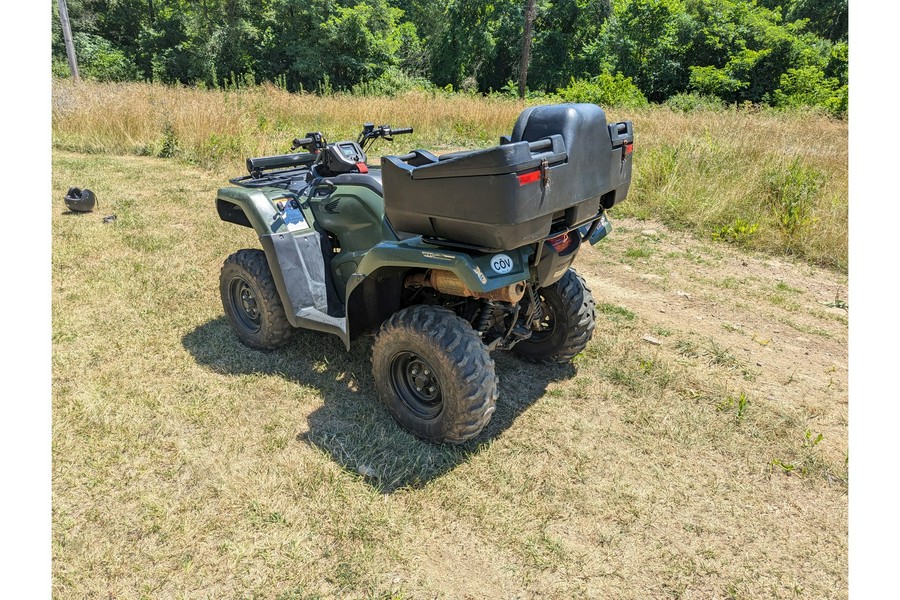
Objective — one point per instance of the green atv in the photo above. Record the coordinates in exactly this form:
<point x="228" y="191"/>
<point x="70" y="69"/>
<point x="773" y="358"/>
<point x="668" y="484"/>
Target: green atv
<point x="448" y="257"/>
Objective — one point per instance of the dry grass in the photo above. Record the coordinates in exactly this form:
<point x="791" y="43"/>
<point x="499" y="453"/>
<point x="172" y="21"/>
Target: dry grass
<point x="710" y="172"/>
<point x="209" y="126"/>
<point x="188" y="466"/>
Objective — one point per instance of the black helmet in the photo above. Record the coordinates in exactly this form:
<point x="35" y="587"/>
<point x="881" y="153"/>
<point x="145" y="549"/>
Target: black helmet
<point x="80" y="200"/>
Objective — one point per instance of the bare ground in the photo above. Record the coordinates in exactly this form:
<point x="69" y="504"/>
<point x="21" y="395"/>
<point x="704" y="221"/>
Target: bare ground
<point x="696" y="449"/>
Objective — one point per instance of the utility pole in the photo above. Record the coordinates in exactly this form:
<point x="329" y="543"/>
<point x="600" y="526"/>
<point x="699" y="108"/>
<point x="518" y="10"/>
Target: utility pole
<point x="526" y="47"/>
<point x="67" y="36"/>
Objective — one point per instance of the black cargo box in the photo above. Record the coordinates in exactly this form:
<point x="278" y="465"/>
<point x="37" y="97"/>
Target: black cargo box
<point x="561" y="165"/>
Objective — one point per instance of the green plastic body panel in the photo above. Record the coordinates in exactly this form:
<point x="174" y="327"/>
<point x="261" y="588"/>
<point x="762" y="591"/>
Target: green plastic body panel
<point x="259" y="207"/>
<point x="355" y="214"/>
<point x="474" y="269"/>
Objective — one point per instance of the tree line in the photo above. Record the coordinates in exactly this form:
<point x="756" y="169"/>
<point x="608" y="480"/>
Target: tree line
<point x="625" y="52"/>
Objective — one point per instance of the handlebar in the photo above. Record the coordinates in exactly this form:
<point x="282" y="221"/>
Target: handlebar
<point x="370" y="133"/>
<point x="313" y="143"/>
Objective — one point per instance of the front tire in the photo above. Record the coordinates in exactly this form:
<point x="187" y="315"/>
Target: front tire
<point x="251" y="301"/>
<point x="434" y="374"/>
<point x="568" y="322"/>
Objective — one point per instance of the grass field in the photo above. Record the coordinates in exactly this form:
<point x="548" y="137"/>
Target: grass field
<point x="710" y="463"/>
<point x="775" y="182"/>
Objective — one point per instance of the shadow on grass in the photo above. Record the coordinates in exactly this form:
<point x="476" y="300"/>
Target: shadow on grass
<point x="352" y="426"/>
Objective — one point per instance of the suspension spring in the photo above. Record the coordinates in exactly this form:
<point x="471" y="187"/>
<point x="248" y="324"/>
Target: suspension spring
<point x="537" y="309"/>
<point x="485" y="317"/>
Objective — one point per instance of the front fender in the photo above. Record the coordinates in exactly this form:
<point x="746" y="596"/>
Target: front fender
<point x="256" y="209"/>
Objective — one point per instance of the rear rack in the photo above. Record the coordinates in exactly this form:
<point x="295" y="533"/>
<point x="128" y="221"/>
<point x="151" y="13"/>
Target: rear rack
<point x="274" y="178"/>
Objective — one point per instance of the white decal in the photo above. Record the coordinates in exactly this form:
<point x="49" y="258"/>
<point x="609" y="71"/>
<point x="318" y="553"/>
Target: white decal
<point x="294" y="219"/>
<point x="501" y="264"/>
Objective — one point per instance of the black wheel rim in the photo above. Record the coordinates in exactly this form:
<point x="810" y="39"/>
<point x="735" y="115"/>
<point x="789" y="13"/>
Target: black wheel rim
<point x="416" y="384"/>
<point x="548" y="322"/>
<point x="245" y="305"/>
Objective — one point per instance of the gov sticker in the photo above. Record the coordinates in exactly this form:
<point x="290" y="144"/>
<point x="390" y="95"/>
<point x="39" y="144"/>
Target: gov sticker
<point x="501" y="264"/>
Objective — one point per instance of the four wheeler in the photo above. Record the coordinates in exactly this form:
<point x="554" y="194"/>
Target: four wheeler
<point x="448" y="257"/>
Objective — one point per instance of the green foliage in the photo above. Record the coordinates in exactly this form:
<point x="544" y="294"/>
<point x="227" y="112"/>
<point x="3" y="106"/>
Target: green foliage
<point x="714" y="81"/>
<point x="640" y="40"/>
<point x="810" y="440"/>
<point x="59" y="67"/>
<point x="739" y="232"/>
<point x="605" y="90"/>
<point x="392" y="82"/>
<point x="791" y="192"/>
<point x="562" y="31"/>
<point x="739" y="404"/>
<point x="359" y="42"/>
<point x="169" y="146"/>
<point x="694" y="101"/>
<point x="809" y="87"/>
<point x="838" y="62"/>
<point x="738" y="49"/>
<point x="98" y="59"/>
<point x="826" y="18"/>
<point x="478" y="48"/>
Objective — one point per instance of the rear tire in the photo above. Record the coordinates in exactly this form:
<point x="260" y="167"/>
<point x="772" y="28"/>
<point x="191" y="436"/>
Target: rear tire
<point x="251" y="301"/>
<point x="434" y="374"/>
<point x="569" y="322"/>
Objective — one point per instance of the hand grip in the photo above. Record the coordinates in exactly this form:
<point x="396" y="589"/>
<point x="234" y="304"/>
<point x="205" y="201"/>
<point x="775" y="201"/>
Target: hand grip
<point x="298" y="142"/>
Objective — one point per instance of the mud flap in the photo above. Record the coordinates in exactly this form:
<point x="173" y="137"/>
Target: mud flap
<point x="303" y="281"/>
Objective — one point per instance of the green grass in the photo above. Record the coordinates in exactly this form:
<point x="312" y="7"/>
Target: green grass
<point x="186" y="465"/>
<point x="615" y="313"/>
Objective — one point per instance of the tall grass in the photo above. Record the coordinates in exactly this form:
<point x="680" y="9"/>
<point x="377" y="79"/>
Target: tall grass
<point x="775" y="182"/>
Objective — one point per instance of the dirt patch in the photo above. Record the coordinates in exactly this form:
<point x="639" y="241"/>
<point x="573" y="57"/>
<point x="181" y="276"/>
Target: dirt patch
<point x="781" y="323"/>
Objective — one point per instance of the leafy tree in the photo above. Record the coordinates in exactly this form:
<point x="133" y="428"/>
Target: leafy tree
<point x="563" y="29"/>
<point x="640" y="40"/>
<point x="467" y="41"/>
<point x="786" y="52"/>
<point x="98" y="59"/>
<point x="827" y="18"/>
<point x="738" y="50"/>
<point x="358" y="43"/>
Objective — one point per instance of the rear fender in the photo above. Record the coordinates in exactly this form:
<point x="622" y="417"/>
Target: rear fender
<point x="480" y="272"/>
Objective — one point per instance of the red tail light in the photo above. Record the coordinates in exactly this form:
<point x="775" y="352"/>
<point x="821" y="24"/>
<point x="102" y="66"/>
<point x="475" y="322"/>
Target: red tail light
<point x="629" y="148"/>
<point x="561" y="242"/>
